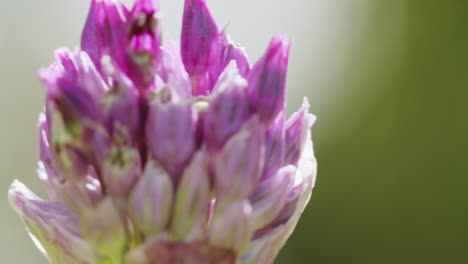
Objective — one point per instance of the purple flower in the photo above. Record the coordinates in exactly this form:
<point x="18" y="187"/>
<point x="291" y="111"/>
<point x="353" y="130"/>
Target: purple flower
<point x="157" y="154"/>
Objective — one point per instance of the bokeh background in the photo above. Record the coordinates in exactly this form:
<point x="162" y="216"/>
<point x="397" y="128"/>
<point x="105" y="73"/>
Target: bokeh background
<point x="387" y="79"/>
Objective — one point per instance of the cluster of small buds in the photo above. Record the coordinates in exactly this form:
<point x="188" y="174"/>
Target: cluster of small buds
<point x="155" y="154"/>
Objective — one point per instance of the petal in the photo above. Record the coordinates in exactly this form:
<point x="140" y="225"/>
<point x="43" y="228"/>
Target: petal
<point x="267" y="80"/>
<point x="120" y="169"/>
<point x="307" y="167"/>
<point x="297" y="127"/>
<point x="199" y="37"/>
<point x="192" y="199"/>
<point x="274" y="146"/>
<point x="227" y="52"/>
<point x="232" y="229"/>
<point x="55" y="229"/>
<point x="105" y="31"/>
<point x="171" y="134"/>
<point x="151" y="200"/>
<point x="238" y="166"/>
<point x="104" y="229"/>
<point x="271" y="196"/>
<point x="229" y="108"/>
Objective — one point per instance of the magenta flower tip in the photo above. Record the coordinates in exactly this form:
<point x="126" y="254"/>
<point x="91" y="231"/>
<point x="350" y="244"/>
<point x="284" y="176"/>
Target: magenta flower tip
<point x="199" y="37"/>
<point x="267" y="79"/>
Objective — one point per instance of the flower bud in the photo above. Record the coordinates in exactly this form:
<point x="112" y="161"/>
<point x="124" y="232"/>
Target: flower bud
<point x="199" y="37"/>
<point x="229" y="108"/>
<point x="121" y="109"/>
<point x="267" y="80"/>
<point x="290" y="204"/>
<point x="237" y="168"/>
<point x="68" y="155"/>
<point x="131" y="38"/>
<point x="233" y="228"/>
<point x="120" y="169"/>
<point x="55" y="229"/>
<point x="151" y="200"/>
<point x="271" y="196"/>
<point x="145" y="41"/>
<point x="297" y="127"/>
<point x="274" y="146"/>
<point x="104" y="229"/>
<point x="75" y="87"/>
<point x="145" y="33"/>
<point x="193" y="198"/>
<point x="170" y="131"/>
<point x="46" y="168"/>
<point x="105" y="31"/>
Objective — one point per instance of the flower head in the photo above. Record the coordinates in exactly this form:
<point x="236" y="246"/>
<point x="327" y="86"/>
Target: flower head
<point x="155" y="154"/>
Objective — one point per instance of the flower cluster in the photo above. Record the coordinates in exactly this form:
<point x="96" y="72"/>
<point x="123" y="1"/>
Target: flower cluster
<point x="153" y="153"/>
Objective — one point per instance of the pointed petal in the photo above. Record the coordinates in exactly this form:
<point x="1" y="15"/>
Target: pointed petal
<point x="74" y="85"/>
<point x="229" y="108"/>
<point x="192" y="199"/>
<point x="173" y="73"/>
<point x="307" y="168"/>
<point x="120" y="169"/>
<point x="229" y="51"/>
<point x="233" y="228"/>
<point x="171" y="134"/>
<point x="297" y="127"/>
<point x="267" y="80"/>
<point x="271" y="196"/>
<point x="151" y="200"/>
<point x="145" y="39"/>
<point x="55" y="229"/>
<point x="237" y="168"/>
<point x="104" y="229"/>
<point x="274" y="146"/>
<point x="199" y="37"/>
<point x="105" y="31"/>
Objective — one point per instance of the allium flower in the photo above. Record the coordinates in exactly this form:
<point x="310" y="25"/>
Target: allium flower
<point x="151" y="155"/>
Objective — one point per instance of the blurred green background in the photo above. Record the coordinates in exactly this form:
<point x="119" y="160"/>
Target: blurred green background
<point x="387" y="79"/>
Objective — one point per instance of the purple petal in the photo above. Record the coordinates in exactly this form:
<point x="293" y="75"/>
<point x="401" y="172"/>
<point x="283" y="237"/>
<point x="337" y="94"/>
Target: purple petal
<point x="237" y="168"/>
<point x="74" y="85"/>
<point x="274" y="146"/>
<point x="267" y="80"/>
<point x="151" y="200"/>
<point x="229" y="108"/>
<point x="171" y="134"/>
<point x="145" y="38"/>
<point x="227" y="52"/>
<point x="192" y="199"/>
<point x="173" y="74"/>
<point x="105" y="32"/>
<point x="271" y="196"/>
<point x="122" y="112"/>
<point x="297" y="127"/>
<point x="233" y="228"/>
<point x="52" y="226"/>
<point x="199" y="37"/>
<point x="121" y="169"/>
